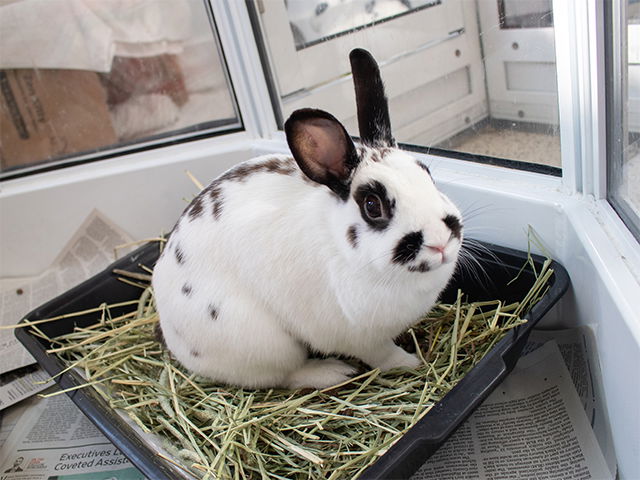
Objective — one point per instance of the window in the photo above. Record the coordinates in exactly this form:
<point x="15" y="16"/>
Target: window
<point x="526" y="14"/>
<point x="315" y="22"/>
<point x="475" y="78"/>
<point x="623" y="73"/>
<point x="81" y="79"/>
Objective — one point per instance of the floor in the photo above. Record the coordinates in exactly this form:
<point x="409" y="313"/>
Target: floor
<point x="510" y="141"/>
<point x="540" y="145"/>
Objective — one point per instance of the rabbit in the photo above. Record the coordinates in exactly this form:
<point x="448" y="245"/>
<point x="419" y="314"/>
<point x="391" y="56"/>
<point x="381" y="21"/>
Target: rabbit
<point x="336" y="249"/>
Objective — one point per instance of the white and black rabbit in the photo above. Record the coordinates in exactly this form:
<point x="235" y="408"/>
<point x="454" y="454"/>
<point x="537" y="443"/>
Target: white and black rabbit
<point x="337" y="249"/>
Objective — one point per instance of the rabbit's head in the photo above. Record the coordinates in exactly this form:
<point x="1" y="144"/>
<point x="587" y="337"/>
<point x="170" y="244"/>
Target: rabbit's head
<point x="392" y="212"/>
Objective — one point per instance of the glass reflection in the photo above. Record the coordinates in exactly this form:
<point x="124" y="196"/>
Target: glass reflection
<point x="315" y="21"/>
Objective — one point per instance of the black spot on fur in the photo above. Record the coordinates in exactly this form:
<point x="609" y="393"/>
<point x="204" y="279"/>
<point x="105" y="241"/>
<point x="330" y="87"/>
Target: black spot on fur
<point x="374" y="154"/>
<point x="408" y="248"/>
<point x="179" y="255"/>
<point x="422" y="267"/>
<point x="214" y="190"/>
<point x="215" y="193"/>
<point x="454" y="225"/>
<point x="424" y="167"/>
<point x="217" y="209"/>
<point x="281" y="166"/>
<point x="186" y="289"/>
<point x="196" y="208"/>
<point x="352" y="236"/>
<point x="383" y="152"/>
<point x="388" y="205"/>
<point x="213" y="313"/>
<point x="240" y="173"/>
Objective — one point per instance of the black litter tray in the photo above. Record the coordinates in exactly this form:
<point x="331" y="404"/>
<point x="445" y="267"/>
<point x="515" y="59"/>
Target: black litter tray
<point x="406" y="455"/>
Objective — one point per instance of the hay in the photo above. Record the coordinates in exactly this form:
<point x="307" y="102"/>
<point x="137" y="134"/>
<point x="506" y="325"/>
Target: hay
<point x="224" y="432"/>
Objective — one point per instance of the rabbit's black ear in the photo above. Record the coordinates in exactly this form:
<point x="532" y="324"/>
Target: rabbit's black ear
<point x="373" y="107"/>
<point x="323" y="148"/>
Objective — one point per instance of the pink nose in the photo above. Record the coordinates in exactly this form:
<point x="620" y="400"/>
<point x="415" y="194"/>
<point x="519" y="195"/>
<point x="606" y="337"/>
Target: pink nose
<point x="437" y="248"/>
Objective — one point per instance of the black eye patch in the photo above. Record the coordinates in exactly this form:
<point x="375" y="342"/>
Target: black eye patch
<point x="377" y="216"/>
<point x="454" y="225"/>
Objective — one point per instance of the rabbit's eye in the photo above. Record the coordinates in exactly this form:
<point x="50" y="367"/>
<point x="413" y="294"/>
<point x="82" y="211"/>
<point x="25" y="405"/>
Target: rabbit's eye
<point x="373" y="206"/>
<point x="376" y="208"/>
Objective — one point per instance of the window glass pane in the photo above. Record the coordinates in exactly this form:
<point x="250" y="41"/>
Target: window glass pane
<point x="84" y="76"/>
<point x="477" y="78"/>
<point x="526" y="14"/>
<point x="624" y="111"/>
<point x="313" y="22"/>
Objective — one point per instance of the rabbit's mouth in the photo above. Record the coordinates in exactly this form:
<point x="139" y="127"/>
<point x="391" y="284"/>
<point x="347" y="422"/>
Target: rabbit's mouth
<point x="422" y="267"/>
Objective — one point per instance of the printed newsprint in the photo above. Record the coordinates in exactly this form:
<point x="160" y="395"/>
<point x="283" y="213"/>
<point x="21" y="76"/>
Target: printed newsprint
<point x="21" y="383"/>
<point x="580" y="354"/>
<point x="53" y="440"/>
<point x="532" y="426"/>
<point x="8" y="419"/>
<point x="90" y="250"/>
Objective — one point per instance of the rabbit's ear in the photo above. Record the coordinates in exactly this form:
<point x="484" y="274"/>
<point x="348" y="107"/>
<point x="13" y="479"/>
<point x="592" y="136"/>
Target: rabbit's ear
<point x="373" y="108"/>
<point x="323" y="148"/>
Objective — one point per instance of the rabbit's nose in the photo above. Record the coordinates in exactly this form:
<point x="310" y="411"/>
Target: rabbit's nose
<point x="437" y="248"/>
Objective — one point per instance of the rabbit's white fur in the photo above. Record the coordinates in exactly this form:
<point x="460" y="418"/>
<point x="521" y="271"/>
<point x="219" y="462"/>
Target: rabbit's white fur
<point x="244" y="293"/>
<point x="338" y="250"/>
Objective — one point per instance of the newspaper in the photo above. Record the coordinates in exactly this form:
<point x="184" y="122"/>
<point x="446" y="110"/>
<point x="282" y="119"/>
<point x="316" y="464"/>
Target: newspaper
<point x="532" y="426"/>
<point x="8" y="419"/>
<point x="53" y="440"/>
<point x="89" y="251"/>
<point x="21" y="383"/>
<point x="580" y="354"/>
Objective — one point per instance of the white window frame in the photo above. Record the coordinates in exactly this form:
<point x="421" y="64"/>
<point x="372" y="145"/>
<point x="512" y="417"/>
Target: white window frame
<point x="570" y="213"/>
